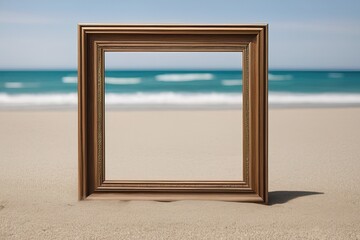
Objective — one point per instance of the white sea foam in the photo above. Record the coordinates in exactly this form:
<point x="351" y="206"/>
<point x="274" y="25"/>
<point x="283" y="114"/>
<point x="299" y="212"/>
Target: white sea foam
<point x="274" y="77"/>
<point x="335" y="75"/>
<point x="167" y="98"/>
<point x="13" y="85"/>
<point x="231" y="82"/>
<point x="184" y="77"/>
<point x="122" y="81"/>
<point x="23" y="100"/>
<point x="177" y="99"/>
<point x="69" y="79"/>
<point x="170" y="98"/>
<point x="314" y="99"/>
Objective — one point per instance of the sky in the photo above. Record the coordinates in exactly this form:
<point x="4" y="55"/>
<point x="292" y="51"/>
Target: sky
<point x="315" y="34"/>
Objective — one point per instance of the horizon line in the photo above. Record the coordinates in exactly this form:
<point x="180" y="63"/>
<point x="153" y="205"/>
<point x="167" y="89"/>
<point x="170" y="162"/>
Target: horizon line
<point x="181" y="69"/>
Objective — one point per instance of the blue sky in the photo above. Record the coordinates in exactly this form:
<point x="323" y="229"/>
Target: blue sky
<point x="313" y="34"/>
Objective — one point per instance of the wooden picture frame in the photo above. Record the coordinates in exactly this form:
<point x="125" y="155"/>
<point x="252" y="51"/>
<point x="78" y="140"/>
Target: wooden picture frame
<point x="96" y="39"/>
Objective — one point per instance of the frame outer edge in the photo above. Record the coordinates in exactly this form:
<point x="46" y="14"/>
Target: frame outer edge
<point x="262" y="68"/>
<point x="266" y="117"/>
<point x="80" y="145"/>
<point x="82" y="119"/>
<point x="263" y="115"/>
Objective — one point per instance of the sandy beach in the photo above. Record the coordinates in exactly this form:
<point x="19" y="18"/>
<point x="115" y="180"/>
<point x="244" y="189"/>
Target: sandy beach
<point x="314" y="190"/>
<point x="174" y="144"/>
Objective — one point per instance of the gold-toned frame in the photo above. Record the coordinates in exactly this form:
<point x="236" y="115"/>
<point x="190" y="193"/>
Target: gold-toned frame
<point x="96" y="39"/>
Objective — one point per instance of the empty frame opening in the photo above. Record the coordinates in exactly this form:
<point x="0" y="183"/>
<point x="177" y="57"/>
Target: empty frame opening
<point x="173" y="116"/>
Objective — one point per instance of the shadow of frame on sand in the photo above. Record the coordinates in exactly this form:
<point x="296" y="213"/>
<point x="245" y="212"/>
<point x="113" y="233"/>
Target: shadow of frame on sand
<point x="281" y="197"/>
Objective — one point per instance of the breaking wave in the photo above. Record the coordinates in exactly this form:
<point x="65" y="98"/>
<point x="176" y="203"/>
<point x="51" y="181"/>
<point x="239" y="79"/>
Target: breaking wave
<point x="185" y="77"/>
<point x="177" y="99"/>
<point x="274" y="77"/>
<point x="231" y="82"/>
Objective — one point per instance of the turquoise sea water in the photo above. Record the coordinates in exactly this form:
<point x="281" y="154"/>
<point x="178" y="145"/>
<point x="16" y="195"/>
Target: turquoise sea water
<point x="180" y="87"/>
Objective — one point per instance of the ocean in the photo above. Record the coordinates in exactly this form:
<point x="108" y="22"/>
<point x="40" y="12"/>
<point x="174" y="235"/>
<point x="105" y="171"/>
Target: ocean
<point x="186" y="88"/>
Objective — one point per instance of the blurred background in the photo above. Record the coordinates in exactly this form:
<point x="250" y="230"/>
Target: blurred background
<point x="314" y="53"/>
